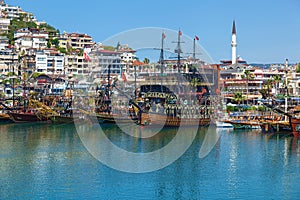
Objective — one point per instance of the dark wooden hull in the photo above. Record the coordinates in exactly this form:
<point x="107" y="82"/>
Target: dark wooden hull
<point x="4" y="118"/>
<point x="26" y="117"/>
<point x="171" y="121"/>
<point x="295" y="124"/>
<point x="61" y="119"/>
<point x="271" y="127"/>
<point x="267" y="128"/>
<point x="110" y="118"/>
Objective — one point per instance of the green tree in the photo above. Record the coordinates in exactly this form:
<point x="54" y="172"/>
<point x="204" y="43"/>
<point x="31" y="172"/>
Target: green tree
<point x="276" y="80"/>
<point x="54" y="42"/>
<point x="11" y="74"/>
<point x="11" y="79"/>
<point x="194" y="82"/>
<point x="264" y="93"/>
<point x="268" y="85"/>
<point x="146" y="60"/>
<point x="248" y="77"/>
<point x="36" y="74"/>
<point x="50" y="29"/>
<point x="298" y="68"/>
<point x="63" y="50"/>
<point x="109" y="48"/>
<point x="238" y="97"/>
<point x="80" y="53"/>
<point x="16" y="24"/>
<point x="2" y="95"/>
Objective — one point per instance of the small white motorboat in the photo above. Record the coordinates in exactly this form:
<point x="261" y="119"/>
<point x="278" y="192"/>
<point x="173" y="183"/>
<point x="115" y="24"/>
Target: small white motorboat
<point x="224" y="125"/>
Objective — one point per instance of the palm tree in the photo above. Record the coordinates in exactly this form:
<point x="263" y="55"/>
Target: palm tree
<point x="194" y="82"/>
<point x="277" y="79"/>
<point x="2" y="95"/>
<point x="298" y="68"/>
<point x="264" y="93"/>
<point x="268" y="84"/>
<point x="146" y="61"/>
<point x="248" y="77"/>
<point x="238" y="97"/>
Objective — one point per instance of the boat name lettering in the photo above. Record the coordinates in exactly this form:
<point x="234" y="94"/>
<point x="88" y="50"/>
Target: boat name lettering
<point x="157" y="94"/>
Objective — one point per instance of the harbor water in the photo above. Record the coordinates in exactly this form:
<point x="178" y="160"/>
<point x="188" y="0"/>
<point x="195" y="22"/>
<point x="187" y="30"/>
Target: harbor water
<point x="44" y="161"/>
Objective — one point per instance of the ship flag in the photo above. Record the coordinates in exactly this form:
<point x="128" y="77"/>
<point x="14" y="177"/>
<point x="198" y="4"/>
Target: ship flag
<point x="124" y="77"/>
<point x="86" y="55"/>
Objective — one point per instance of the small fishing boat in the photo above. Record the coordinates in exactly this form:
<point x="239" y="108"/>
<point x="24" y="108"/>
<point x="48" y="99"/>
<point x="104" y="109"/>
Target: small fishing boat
<point x="238" y="124"/>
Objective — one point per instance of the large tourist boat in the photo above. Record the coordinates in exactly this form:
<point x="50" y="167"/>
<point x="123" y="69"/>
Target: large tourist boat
<point x="161" y="107"/>
<point x="107" y="112"/>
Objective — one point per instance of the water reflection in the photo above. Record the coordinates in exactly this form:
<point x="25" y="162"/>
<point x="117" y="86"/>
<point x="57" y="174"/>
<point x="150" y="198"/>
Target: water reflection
<point x="47" y="161"/>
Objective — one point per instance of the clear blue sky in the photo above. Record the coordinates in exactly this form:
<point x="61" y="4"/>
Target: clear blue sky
<point x="267" y="30"/>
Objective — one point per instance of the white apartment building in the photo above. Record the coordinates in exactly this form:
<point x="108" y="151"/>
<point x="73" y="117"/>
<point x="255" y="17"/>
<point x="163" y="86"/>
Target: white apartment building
<point x="76" y="65"/>
<point x="27" y="16"/>
<point x="30" y="32"/>
<point x="293" y="80"/>
<point x="51" y="63"/>
<point x="30" y="41"/>
<point x="106" y="60"/>
<point x="127" y="58"/>
<point x="10" y="11"/>
<point x="8" y="61"/>
<point x="78" y="40"/>
<point x="21" y="32"/>
<point x="4" y="25"/>
<point x="16" y="12"/>
<point x="4" y="42"/>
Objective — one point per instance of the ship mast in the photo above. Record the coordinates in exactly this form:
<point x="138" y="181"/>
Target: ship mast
<point x="108" y="90"/>
<point x="161" y="58"/>
<point x="194" y="50"/>
<point x="178" y="51"/>
<point x="286" y="87"/>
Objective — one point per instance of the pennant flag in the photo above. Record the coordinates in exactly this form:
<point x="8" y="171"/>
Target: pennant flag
<point x="86" y="55"/>
<point x="180" y="33"/>
<point x="124" y="77"/>
<point x="163" y="35"/>
<point x="196" y="37"/>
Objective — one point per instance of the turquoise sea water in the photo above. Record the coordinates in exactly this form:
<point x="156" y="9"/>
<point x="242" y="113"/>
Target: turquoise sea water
<point x="46" y="161"/>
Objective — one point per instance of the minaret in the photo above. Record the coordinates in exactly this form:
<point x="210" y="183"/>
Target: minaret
<point x="233" y="44"/>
